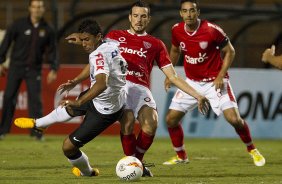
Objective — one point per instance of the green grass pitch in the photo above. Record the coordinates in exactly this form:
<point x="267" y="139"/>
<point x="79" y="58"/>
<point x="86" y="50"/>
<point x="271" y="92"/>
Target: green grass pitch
<point x="212" y="161"/>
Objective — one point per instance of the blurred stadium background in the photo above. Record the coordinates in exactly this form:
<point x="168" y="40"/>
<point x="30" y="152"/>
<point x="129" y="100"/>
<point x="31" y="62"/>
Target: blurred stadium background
<point x="252" y="25"/>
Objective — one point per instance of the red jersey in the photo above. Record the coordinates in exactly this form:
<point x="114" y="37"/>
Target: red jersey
<point x="140" y="52"/>
<point x="201" y="49"/>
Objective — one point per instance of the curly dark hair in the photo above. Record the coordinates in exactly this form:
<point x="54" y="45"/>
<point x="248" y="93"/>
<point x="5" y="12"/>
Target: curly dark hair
<point x="90" y="26"/>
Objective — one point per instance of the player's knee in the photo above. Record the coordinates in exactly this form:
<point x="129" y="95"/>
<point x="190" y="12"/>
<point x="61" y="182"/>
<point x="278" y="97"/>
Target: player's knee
<point x="68" y="148"/>
<point x="150" y="127"/>
<point x="235" y="121"/>
<point x="171" y="121"/>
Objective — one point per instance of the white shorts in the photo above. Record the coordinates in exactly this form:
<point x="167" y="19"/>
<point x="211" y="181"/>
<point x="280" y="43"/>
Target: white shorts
<point x="137" y="96"/>
<point x="219" y="101"/>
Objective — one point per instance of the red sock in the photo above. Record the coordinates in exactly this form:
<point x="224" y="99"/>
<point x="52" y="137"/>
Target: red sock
<point x="177" y="139"/>
<point x="245" y="136"/>
<point x="128" y="144"/>
<point x="144" y="141"/>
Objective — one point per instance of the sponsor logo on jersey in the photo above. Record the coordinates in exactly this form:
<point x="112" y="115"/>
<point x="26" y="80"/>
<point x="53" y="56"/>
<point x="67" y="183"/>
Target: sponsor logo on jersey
<point x="147" y="45"/>
<point x="139" y="53"/>
<point x="203" y="44"/>
<point x="99" y="62"/>
<point x="122" y="40"/>
<point x="136" y="74"/>
<point x="193" y="61"/>
<point x="182" y="46"/>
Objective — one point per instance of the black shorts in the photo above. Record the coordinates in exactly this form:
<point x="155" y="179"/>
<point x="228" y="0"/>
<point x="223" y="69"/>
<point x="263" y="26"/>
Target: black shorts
<point x="93" y="123"/>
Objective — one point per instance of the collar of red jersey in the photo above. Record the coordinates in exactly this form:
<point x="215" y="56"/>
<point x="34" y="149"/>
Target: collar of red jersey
<point x="191" y="34"/>
<point x="144" y="34"/>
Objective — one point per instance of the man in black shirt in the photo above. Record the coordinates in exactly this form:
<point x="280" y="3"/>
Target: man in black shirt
<point x="31" y="37"/>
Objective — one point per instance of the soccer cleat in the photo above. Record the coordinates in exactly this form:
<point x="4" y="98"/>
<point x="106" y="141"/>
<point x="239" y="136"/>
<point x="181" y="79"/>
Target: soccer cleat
<point x="77" y="172"/>
<point x="25" y="122"/>
<point x="176" y="160"/>
<point x="146" y="170"/>
<point x="259" y="160"/>
<point x="28" y="123"/>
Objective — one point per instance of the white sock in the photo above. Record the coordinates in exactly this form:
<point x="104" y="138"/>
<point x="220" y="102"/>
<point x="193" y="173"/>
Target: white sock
<point x="82" y="163"/>
<point x="57" y="115"/>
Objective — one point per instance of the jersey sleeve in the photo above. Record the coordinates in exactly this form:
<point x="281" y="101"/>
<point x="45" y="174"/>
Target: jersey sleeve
<point x="100" y="63"/>
<point x="218" y="34"/>
<point x="162" y="58"/>
<point x="111" y="35"/>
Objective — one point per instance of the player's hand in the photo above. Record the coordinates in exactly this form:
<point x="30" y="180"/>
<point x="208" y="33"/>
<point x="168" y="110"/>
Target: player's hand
<point x="69" y="85"/>
<point x="3" y="71"/>
<point x="74" y="39"/>
<point x="67" y="103"/>
<point x="268" y="53"/>
<point x="167" y="84"/>
<point x="51" y="77"/>
<point x="203" y="105"/>
<point x="218" y="83"/>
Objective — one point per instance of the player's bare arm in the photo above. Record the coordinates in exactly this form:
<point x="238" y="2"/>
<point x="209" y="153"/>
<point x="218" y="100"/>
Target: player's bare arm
<point x="70" y="84"/>
<point x="74" y="39"/>
<point x="203" y="104"/>
<point x="268" y="56"/>
<point x="174" y="56"/>
<point x="229" y="54"/>
<point x="99" y="86"/>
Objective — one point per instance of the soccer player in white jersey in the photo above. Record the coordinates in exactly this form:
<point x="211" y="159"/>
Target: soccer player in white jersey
<point x="141" y="50"/>
<point x="102" y="104"/>
<point x="201" y="43"/>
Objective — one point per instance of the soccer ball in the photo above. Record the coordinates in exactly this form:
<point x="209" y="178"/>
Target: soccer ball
<point x="129" y="168"/>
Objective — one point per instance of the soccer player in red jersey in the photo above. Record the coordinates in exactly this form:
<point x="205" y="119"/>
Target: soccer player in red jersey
<point x="141" y="50"/>
<point x="202" y="43"/>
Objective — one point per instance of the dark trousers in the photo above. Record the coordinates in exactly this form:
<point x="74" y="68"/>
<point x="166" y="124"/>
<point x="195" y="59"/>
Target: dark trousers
<point x="15" y="77"/>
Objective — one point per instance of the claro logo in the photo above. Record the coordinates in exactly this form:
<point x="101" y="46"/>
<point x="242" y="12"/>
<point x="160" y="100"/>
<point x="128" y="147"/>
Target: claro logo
<point x="193" y="61"/>
<point x="140" y="52"/>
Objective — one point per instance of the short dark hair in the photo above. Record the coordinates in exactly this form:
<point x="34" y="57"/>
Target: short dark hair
<point x="30" y="1"/>
<point x="142" y="4"/>
<point x="90" y="26"/>
<point x="191" y="1"/>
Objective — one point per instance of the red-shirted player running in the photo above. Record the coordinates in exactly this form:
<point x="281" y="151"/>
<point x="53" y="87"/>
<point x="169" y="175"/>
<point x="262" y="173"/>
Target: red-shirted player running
<point x="201" y="42"/>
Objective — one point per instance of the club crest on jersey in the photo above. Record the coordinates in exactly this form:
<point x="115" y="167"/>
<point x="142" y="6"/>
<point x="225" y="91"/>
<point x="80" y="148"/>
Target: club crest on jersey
<point x="147" y="45"/>
<point x="203" y="44"/>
